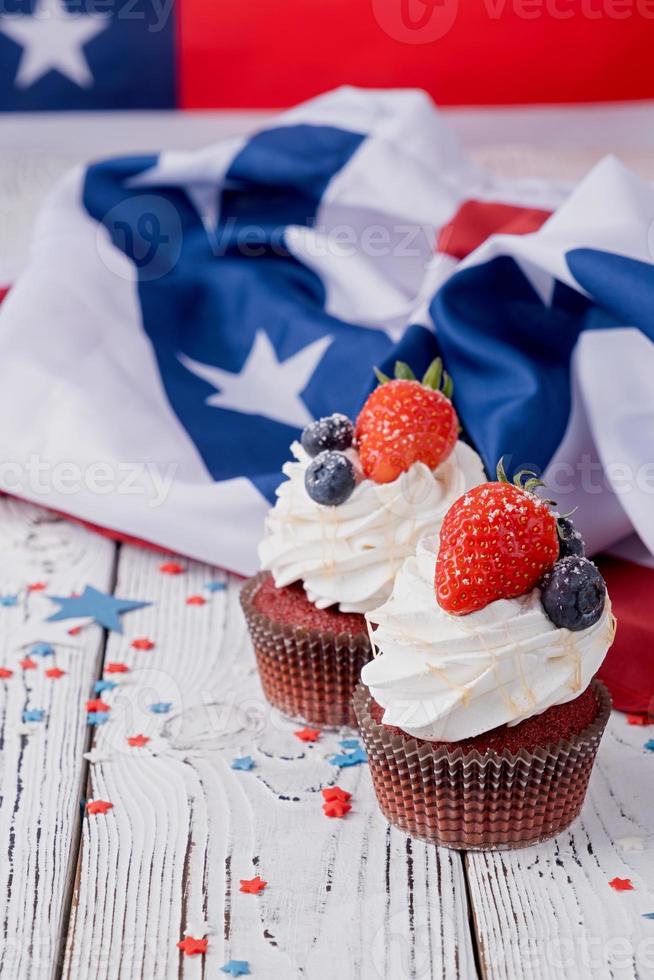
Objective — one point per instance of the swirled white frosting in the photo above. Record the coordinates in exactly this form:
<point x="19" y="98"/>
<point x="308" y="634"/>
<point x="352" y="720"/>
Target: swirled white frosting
<point x="445" y="678"/>
<point x="350" y="554"/>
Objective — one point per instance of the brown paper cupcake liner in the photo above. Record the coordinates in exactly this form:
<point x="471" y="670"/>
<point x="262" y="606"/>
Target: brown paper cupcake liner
<point x="308" y="674"/>
<point x="470" y="801"/>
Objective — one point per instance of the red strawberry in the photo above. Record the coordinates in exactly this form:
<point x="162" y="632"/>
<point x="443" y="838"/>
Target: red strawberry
<point x="405" y="421"/>
<point x="495" y="543"/>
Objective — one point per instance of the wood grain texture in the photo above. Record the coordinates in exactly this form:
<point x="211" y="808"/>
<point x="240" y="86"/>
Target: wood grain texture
<point x="548" y="912"/>
<point x="348" y="898"/>
<point x="41" y="763"/>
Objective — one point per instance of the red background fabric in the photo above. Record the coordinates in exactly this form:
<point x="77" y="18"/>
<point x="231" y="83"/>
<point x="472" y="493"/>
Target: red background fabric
<point x="463" y="52"/>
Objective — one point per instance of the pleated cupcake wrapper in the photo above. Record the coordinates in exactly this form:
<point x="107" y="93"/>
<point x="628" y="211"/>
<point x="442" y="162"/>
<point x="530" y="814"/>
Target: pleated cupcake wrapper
<point x="470" y="801"/>
<point x="308" y="674"/>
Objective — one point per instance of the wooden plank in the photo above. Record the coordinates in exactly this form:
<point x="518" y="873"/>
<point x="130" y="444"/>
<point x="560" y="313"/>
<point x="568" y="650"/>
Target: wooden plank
<point x="345" y="898"/>
<point x="42" y="765"/>
<point x="548" y="911"/>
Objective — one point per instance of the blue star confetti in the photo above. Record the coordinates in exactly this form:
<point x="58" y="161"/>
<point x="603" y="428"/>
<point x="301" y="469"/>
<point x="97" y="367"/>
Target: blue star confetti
<point x="216" y="587"/>
<point x="649" y="745"/>
<point x="100" y="686"/>
<point x="648" y="915"/>
<point x="236" y="968"/>
<point x="97" y="717"/>
<point x="244" y="763"/>
<point x="42" y="650"/>
<point x="8" y="600"/>
<point x="349" y="758"/>
<point x="350" y="743"/>
<point x="33" y="714"/>
<point x="161" y="707"/>
<point x="103" y="609"/>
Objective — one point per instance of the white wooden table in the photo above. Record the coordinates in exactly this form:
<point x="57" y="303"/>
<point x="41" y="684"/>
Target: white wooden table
<point x="110" y="895"/>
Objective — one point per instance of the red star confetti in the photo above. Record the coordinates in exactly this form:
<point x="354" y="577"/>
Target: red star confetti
<point x="142" y="643"/>
<point x="75" y="631"/>
<point x="37" y="586"/>
<point x="638" y="720"/>
<point x="54" y="673"/>
<point x="4" y="673"/>
<point x="116" y="668"/>
<point x="191" y="947"/>
<point x="195" y="600"/>
<point x="621" y="884"/>
<point x="171" y="568"/>
<point x="332" y="793"/>
<point x="98" y="806"/>
<point x="97" y="704"/>
<point x="253" y="886"/>
<point x="138" y="741"/>
<point x="308" y="734"/>
<point x="28" y="664"/>
<point x="336" y="808"/>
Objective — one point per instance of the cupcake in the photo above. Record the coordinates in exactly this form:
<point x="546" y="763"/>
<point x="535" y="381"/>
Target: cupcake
<point x="356" y="500"/>
<point x="480" y="711"/>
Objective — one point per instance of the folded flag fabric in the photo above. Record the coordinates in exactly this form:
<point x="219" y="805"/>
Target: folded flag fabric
<point x="184" y="315"/>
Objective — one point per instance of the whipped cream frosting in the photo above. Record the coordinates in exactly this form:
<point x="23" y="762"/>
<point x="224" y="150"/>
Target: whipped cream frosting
<point x="350" y="554"/>
<point x="441" y="677"/>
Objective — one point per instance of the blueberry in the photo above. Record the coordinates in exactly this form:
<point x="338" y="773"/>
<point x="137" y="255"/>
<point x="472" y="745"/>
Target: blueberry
<point x="573" y="593"/>
<point x="333" y="432"/>
<point x="570" y="539"/>
<point x="330" y="479"/>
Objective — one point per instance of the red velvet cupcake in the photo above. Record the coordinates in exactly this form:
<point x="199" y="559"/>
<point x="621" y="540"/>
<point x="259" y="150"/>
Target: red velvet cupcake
<point x="352" y="509"/>
<point x="480" y="713"/>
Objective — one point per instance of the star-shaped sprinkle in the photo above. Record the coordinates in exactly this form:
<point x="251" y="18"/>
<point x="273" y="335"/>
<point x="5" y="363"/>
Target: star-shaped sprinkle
<point x="648" y="915"/>
<point x="245" y="762"/>
<point x="253" y="886"/>
<point x="331" y="793"/>
<point x="27" y="663"/>
<point x="5" y="673"/>
<point x="161" y="707"/>
<point x="336" y="808"/>
<point x="349" y="758"/>
<point x="631" y="843"/>
<point x="215" y="586"/>
<point x="142" y="643"/>
<point x="649" y="745"/>
<point x="75" y="631"/>
<point x="97" y="717"/>
<point x="195" y="927"/>
<point x="308" y="734"/>
<point x="96" y="704"/>
<point x="638" y="720"/>
<point x="37" y="586"/>
<point x="171" y="568"/>
<point x="102" y="608"/>
<point x="236" y="968"/>
<point x="115" y="667"/>
<point x="191" y="946"/>
<point x="8" y="600"/>
<point x="54" y="673"/>
<point x="621" y="884"/>
<point x="33" y="714"/>
<point x="196" y="600"/>
<point x="42" y="650"/>
<point x="138" y="741"/>
<point x="98" y="806"/>
<point x="350" y="743"/>
<point x="100" y="686"/>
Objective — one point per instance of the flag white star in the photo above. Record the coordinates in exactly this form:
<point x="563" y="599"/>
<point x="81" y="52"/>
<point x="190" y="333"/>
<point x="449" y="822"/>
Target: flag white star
<point x="52" y="39"/>
<point x="265" y="386"/>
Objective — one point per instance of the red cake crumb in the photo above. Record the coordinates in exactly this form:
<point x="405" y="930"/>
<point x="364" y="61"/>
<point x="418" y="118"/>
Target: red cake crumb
<point x="290" y="605"/>
<point x="559" y="722"/>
